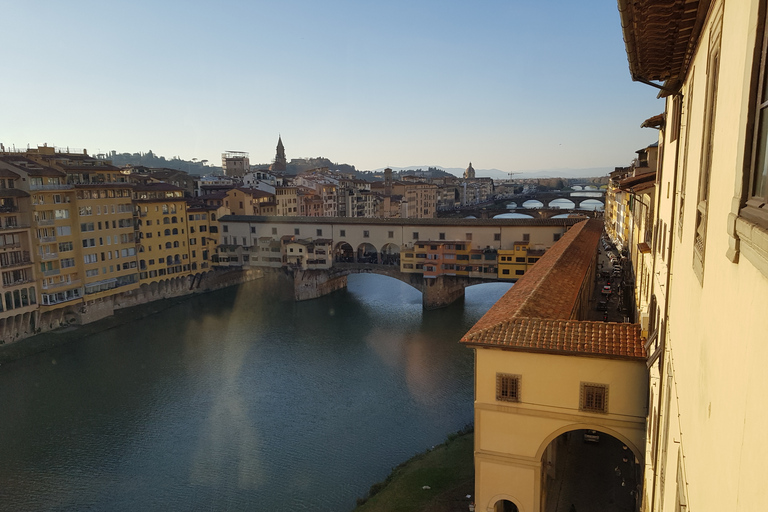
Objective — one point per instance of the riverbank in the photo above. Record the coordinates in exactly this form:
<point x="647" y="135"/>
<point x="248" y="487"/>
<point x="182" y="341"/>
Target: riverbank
<point x="438" y="480"/>
<point x="141" y="309"/>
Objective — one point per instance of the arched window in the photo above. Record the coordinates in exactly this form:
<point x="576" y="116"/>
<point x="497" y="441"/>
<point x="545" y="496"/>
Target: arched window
<point x="166" y="220"/>
<point x="176" y="243"/>
<point x="174" y="220"/>
<point x="32" y="298"/>
<point x="167" y="232"/>
<point x="175" y="231"/>
<point x="165" y="208"/>
<point x="168" y="245"/>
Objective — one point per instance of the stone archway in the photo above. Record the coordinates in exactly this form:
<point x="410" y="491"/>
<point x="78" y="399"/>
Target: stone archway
<point x="343" y="253"/>
<point x="390" y="254"/>
<point x="585" y="469"/>
<point x="367" y="253"/>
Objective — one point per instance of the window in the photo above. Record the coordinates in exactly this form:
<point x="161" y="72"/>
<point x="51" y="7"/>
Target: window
<point x="507" y="387"/>
<point x="319" y="232"/>
<point x="366" y="234"/>
<point x="468" y="236"/>
<point x="342" y="232"/>
<point x="497" y="236"/>
<point x="63" y="231"/>
<point x="415" y="235"/>
<point x="390" y="234"/>
<point x="442" y="236"/>
<point x="519" y="272"/>
<point x="594" y="397"/>
<point x="556" y="237"/>
<point x="274" y="231"/>
<point x="756" y="182"/>
<point x="295" y="231"/>
<point x="702" y="203"/>
<point x="526" y="237"/>
<point x="505" y="271"/>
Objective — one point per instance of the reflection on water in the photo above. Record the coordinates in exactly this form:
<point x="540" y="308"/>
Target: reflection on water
<point x="241" y="399"/>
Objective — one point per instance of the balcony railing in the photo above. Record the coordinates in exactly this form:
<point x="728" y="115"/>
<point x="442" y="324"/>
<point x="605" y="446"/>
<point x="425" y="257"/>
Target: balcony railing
<point x="24" y="261"/>
<point x="47" y="239"/>
<point x="58" y="186"/>
<point x="49" y="256"/>
<point x="18" y="282"/>
<point x="45" y="222"/>
<point x="8" y="208"/>
<point x="46" y="286"/>
<point x="52" y="272"/>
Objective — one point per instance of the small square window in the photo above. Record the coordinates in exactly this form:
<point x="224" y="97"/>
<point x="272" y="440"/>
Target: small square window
<point x="594" y="397"/>
<point x="253" y="229"/>
<point x="274" y="231"/>
<point x="442" y="236"/>
<point x="366" y="234"/>
<point x="391" y="234"/>
<point x="497" y="236"/>
<point x="342" y="232"/>
<point x="319" y="232"/>
<point x="225" y="228"/>
<point x="507" y="387"/>
<point x="526" y="237"/>
<point x="415" y="235"/>
<point x="556" y="237"/>
<point x="469" y="236"/>
<point x="295" y="231"/>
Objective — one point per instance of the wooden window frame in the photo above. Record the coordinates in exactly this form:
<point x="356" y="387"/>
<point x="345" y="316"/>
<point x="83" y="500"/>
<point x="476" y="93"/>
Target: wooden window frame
<point x="508" y="387"/>
<point x="593" y="397"/>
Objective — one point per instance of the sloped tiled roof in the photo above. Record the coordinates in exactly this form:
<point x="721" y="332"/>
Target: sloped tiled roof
<point x="564" y="336"/>
<point x="540" y="311"/>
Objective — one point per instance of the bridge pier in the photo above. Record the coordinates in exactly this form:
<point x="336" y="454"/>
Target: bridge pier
<point x="312" y="284"/>
<point x="441" y="291"/>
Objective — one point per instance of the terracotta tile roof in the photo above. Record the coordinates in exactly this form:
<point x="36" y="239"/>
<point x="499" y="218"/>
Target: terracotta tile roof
<point x="539" y="313"/>
<point x="660" y="37"/>
<point x="564" y="337"/>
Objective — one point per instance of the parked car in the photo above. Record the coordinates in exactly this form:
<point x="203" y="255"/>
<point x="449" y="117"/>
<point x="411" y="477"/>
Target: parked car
<point x="606" y="290"/>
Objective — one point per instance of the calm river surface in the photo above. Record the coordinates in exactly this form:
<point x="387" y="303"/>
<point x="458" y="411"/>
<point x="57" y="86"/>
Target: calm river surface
<point x="239" y="400"/>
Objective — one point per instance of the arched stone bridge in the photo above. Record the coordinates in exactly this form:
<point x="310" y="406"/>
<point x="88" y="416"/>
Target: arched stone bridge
<point x="436" y="292"/>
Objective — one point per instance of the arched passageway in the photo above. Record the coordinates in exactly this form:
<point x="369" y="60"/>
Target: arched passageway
<point x="343" y="253"/>
<point x="589" y="470"/>
<point x="505" y="506"/>
<point x="366" y="253"/>
<point x="390" y="255"/>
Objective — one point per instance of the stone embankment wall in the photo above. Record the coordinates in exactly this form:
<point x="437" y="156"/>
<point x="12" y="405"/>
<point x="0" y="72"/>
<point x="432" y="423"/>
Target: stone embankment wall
<point x="81" y="313"/>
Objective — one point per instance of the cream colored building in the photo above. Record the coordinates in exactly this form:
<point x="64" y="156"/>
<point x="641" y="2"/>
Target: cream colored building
<point x="544" y="371"/>
<point x="705" y="443"/>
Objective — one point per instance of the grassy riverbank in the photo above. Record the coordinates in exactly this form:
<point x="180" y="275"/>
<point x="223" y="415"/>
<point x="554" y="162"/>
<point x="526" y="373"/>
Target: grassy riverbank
<point x="447" y="470"/>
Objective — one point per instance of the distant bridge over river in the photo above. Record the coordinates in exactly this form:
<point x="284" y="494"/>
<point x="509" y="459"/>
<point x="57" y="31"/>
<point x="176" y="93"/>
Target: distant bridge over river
<point x="320" y="252"/>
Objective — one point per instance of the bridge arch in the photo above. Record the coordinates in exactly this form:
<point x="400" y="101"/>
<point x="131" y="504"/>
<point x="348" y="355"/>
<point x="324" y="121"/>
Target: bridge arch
<point x="367" y="253"/>
<point x="390" y="254"/>
<point x="563" y="203"/>
<point x="588" y="426"/>
<point x="343" y="253"/>
<point x="504" y="503"/>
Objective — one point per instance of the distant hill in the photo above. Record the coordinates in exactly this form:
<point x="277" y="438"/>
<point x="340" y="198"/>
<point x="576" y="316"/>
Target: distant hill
<point x="149" y="159"/>
<point x="502" y="175"/>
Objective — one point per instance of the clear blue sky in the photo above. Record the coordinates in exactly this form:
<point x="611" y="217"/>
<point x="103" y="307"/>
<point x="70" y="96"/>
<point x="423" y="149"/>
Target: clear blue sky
<point x="505" y="84"/>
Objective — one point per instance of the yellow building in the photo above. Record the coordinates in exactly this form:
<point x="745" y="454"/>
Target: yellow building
<point x="203" y="236"/>
<point x="19" y="292"/>
<point x="162" y="231"/>
<point x="286" y="201"/>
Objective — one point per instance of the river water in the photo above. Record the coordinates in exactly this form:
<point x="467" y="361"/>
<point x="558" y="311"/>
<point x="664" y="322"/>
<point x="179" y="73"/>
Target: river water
<point x="239" y="400"/>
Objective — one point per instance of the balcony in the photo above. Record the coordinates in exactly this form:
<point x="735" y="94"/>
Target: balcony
<point x="8" y="208"/>
<point x="44" y="222"/>
<point x="21" y="262"/>
<point x="18" y="282"/>
<point x="52" y="272"/>
<point x="49" y="256"/>
<point x="53" y="286"/>
<point x="47" y="239"/>
<point x="57" y="186"/>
